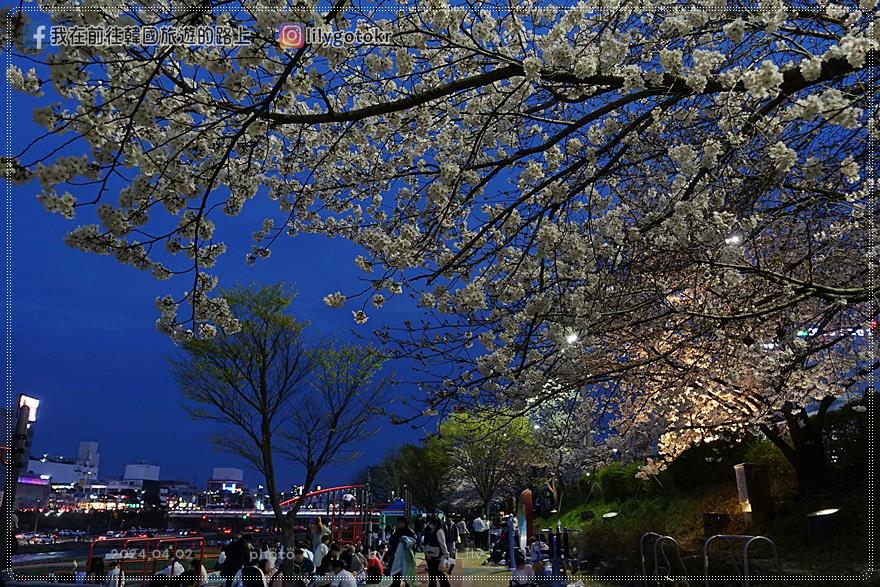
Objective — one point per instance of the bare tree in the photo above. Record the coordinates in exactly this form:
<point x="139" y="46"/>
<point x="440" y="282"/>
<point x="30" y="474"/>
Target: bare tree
<point x="274" y="395"/>
<point x="424" y="469"/>
<point x="385" y="478"/>
<point x="345" y="396"/>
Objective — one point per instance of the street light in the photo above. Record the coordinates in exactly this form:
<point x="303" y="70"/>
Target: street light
<point x="32" y="403"/>
<point x="27" y="407"/>
<point x="571" y="337"/>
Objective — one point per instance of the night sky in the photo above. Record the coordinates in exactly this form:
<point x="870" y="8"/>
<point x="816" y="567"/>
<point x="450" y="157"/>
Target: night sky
<point x="84" y="339"/>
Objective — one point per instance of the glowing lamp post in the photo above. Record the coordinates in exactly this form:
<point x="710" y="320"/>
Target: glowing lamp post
<point x="823" y="525"/>
<point x="27" y="414"/>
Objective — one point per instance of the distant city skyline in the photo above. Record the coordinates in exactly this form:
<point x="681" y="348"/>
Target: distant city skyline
<point x="56" y="447"/>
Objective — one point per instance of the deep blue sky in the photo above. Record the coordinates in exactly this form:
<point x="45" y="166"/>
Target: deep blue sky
<point x="85" y="343"/>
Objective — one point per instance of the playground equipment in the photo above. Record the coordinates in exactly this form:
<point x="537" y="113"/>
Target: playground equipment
<point x="660" y="541"/>
<point x="347" y="509"/>
<point x="746" y="542"/>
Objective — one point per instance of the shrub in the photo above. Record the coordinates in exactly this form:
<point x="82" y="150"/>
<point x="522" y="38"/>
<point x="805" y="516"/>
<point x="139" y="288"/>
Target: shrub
<point x="846" y="431"/>
<point x="614" y="546"/>
<point x="618" y="482"/>
<point x="764" y="452"/>
<point x="706" y="464"/>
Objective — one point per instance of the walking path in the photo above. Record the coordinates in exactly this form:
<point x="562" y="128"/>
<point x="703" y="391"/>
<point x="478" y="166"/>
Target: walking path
<point x="469" y="572"/>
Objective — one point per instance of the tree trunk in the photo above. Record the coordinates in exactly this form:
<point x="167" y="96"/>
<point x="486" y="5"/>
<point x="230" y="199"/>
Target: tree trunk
<point x="555" y="487"/>
<point x="806" y="453"/>
<point x="811" y="467"/>
<point x="285" y="521"/>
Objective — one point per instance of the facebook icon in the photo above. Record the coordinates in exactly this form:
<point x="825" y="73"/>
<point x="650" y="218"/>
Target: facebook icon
<point x="35" y="35"/>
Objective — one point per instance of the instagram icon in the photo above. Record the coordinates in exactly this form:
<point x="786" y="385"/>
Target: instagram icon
<point x="291" y="36"/>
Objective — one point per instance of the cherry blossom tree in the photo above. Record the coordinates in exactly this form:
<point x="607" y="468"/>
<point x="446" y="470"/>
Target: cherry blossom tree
<point x="566" y="425"/>
<point x="737" y="383"/>
<point x="612" y="192"/>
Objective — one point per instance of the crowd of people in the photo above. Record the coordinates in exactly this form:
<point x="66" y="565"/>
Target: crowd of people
<point x="532" y="564"/>
<point x="317" y="560"/>
<point x="441" y="540"/>
<point x="323" y="562"/>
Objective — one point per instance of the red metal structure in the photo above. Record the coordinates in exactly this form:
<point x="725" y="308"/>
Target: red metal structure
<point x="348" y="522"/>
<point x="136" y="554"/>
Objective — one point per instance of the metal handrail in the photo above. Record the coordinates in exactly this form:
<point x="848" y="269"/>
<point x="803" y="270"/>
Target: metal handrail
<point x="150" y="546"/>
<point x="659" y="539"/>
<point x="642" y="551"/>
<point x="747" y="541"/>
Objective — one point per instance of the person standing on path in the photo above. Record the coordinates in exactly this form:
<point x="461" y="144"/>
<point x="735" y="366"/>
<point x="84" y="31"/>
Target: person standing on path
<point x="463" y="534"/>
<point x="319" y="530"/>
<point x="436" y="552"/>
<point x="450" y="530"/>
<point x="480" y="532"/>
<point x="321" y="550"/>
<point x="403" y="561"/>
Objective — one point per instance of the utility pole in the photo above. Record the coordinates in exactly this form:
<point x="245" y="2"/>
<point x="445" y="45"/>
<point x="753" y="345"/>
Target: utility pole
<point x="511" y="544"/>
<point x="556" y="551"/>
<point x="407" y="514"/>
<point x="17" y="456"/>
<point x="367" y="508"/>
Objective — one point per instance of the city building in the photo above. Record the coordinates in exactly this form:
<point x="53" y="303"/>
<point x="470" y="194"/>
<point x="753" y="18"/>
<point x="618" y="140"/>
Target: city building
<point x="31" y="493"/>
<point x="141" y="472"/>
<point x="178" y="494"/>
<point x="59" y="470"/>
<point x="227" y="490"/>
<point x="138" y="487"/>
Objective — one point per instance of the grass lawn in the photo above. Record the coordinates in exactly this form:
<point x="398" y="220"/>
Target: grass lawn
<point x="472" y="573"/>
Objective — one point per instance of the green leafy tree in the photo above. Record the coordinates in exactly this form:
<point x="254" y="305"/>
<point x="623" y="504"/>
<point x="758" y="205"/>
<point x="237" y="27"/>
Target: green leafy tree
<point x="422" y="469"/>
<point x="426" y="472"/>
<point x="488" y="448"/>
<point x="276" y="398"/>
